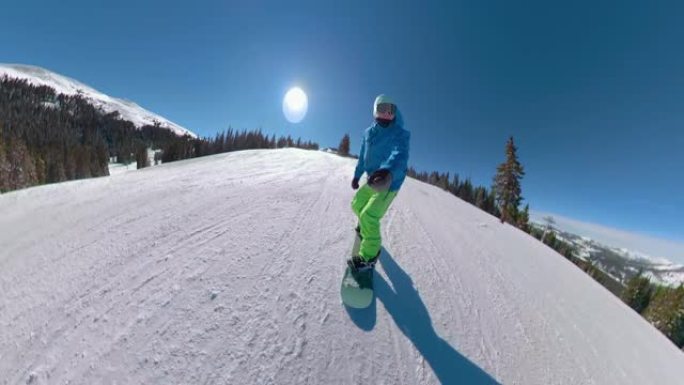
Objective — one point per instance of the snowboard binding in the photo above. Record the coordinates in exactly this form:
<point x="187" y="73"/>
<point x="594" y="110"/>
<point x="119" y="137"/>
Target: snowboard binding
<point x="358" y="264"/>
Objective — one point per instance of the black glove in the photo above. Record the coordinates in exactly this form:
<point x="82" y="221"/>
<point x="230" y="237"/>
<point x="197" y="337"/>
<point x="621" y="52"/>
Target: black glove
<point x="355" y="183"/>
<point x="378" y="176"/>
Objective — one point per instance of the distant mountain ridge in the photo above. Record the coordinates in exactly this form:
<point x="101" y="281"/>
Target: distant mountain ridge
<point x="127" y="109"/>
<point x="622" y="263"/>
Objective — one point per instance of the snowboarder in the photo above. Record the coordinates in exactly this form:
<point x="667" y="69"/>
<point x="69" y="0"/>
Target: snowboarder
<point x="384" y="158"/>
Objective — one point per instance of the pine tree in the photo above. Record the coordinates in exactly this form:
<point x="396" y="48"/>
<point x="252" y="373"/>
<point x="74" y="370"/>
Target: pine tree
<point x="523" y="220"/>
<point x="141" y="158"/>
<point x="550" y="240"/>
<point x="594" y="272"/>
<point x="4" y="167"/>
<point x="491" y="204"/>
<point x="455" y="184"/>
<point x="70" y="166"/>
<point x="550" y="226"/>
<point x="41" y="170"/>
<point x="666" y="313"/>
<point x="638" y="293"/>
<point x="480" y="197"/>
<point x="82" y="159"/>
<point x="22" y="170"/>
<point x="507" y="184"/>
<point x="465" y="191"/>
<point x="343" y="148"/>
<point x="443" y="181"/>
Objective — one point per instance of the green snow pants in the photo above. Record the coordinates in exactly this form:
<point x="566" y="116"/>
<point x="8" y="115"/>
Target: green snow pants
<point x="370" y="206"/>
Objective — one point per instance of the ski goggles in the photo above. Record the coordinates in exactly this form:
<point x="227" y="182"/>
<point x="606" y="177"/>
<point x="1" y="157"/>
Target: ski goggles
<point x="384" y="111"/>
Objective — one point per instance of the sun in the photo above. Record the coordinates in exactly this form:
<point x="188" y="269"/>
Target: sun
<point x="295" y="105"/>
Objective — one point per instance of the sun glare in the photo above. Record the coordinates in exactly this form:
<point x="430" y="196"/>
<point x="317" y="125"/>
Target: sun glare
<point x="295" y="105"/>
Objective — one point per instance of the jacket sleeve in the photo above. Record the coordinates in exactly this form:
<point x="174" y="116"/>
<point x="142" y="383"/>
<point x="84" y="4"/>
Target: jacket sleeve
<point x="398" y="159"/>
<point x="360" y="163"/>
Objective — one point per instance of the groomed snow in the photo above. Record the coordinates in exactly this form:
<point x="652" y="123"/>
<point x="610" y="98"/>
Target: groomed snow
<point x="120" y="168"/>
<point x="226" y="269"/>
<point x="64" y="85"/>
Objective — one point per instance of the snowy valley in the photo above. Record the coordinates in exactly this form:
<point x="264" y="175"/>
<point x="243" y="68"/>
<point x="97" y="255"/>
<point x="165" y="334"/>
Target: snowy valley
<point x="621" y="263"/>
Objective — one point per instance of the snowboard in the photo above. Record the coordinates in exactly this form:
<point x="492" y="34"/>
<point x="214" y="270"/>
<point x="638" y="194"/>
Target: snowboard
<point x="357" y="287"/>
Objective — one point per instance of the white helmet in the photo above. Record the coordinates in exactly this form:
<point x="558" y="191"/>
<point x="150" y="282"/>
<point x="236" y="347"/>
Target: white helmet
<point x="384" y="108"/>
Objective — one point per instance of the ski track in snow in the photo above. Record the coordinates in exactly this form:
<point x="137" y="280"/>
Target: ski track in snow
<point x="226" y="270"/>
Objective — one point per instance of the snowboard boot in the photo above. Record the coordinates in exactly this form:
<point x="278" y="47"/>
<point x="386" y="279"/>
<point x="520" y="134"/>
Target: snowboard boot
<point x="358" y="264"/>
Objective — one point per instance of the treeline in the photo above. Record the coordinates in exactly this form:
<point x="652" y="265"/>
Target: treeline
<point x="662" y="306"/>
<point x="175" y="148"/>
<point x="231" y="140"/>
<point x="503" y="200"/>
<point x="479" y="196"/>
<point x="47" y="137"/>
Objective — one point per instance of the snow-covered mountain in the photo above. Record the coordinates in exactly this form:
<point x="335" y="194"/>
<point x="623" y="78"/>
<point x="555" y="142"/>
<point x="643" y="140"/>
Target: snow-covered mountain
<point x="128" y="110"/>
<point x="227" y="270"/>
<point x="621" y="263"/>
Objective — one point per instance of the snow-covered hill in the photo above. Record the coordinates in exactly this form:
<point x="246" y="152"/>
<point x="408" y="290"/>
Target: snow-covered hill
<point x="128" y="110"/>
<point x="227" y="270"/>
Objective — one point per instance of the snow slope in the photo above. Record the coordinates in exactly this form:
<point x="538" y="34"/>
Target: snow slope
<point x="63" y="85"/>
<point x="226" y="270"/>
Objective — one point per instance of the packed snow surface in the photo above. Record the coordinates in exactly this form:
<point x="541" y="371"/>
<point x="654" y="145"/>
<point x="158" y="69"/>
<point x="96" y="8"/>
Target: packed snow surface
<point x="120" y="168"/>
<point x="64" y="85"/>
<point x="227" y="270"/>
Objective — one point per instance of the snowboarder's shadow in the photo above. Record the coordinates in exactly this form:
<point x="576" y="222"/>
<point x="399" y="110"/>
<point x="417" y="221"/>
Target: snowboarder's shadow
<point x="404" y="305"/>
<point x="364" y="318"/>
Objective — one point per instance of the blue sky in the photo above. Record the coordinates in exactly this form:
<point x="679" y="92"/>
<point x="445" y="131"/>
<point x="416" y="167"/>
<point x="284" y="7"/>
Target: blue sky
<point x="593" y="92"/>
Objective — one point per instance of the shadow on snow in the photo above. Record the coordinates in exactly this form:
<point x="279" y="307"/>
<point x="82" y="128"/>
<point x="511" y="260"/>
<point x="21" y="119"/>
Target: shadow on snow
<point x="364" y="318"/>
<point x="404" y="305"/>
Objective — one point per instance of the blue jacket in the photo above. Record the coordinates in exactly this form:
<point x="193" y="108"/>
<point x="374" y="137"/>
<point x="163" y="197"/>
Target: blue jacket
<point x="385" y="147"/>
